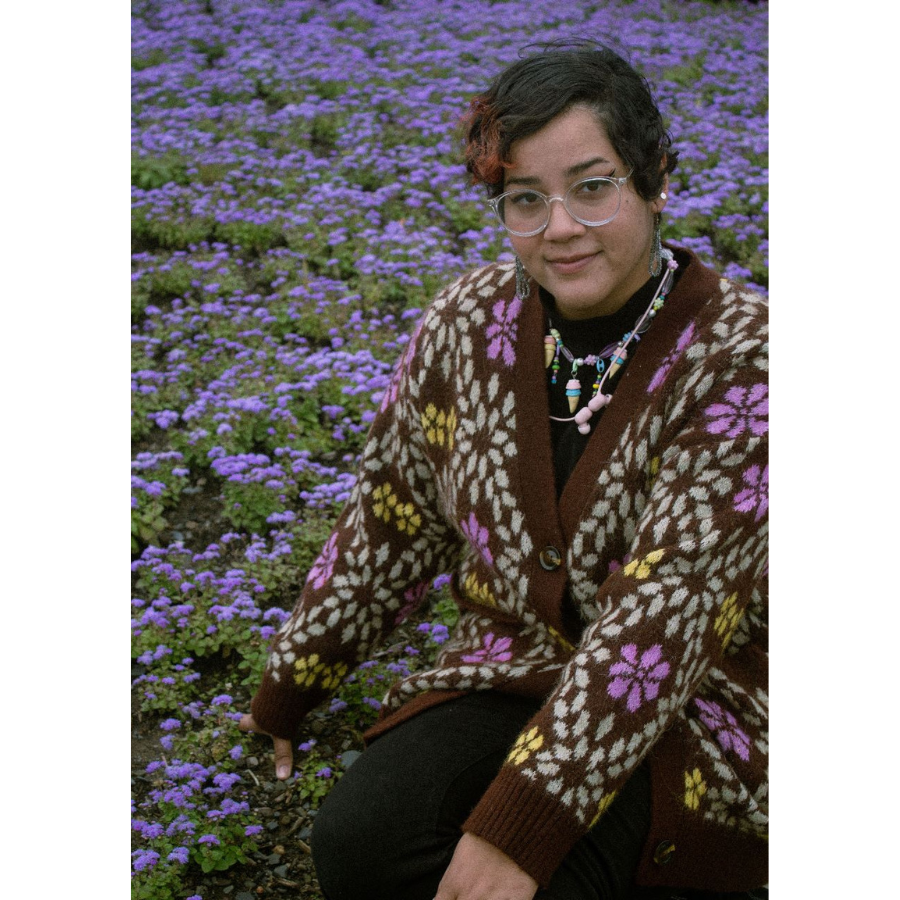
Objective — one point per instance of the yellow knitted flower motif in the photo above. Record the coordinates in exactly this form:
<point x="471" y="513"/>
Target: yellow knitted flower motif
<point x="694" y="789"/>
<point x="526" y="744"/>
<point x="652" y="472"/>
<point x="478" y="593"/>
<point x="408" y="520"/>
<point x="602" y="807"/>
<point x="384" y="501"/>
<point x="386" y="505"/>
<point x="311" y="668"/>
<point x="560" y="639"/>
<point x="641" y="568"/>
<point x="439" y="426"/>
<point x="728" y="619"/>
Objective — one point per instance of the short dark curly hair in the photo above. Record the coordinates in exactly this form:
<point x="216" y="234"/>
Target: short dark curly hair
<point x="533" y="91"/>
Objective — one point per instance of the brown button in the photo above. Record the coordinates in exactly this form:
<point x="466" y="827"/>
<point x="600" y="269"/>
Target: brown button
<point x="550" y="559"/>
<point x="664" y="853"/>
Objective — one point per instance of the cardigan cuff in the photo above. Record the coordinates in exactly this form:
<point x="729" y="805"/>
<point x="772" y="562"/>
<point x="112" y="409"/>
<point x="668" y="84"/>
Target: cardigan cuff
<point x="519" y="818"/>
<point x="278" y="711"/>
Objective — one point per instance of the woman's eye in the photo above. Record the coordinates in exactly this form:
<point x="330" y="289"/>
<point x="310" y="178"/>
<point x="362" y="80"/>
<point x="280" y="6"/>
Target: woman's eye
<point x="525" y="198"/>
<point x="595" y="185"/>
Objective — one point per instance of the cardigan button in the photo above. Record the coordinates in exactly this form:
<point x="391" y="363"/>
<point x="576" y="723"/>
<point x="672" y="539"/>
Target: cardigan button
<point x="550" y="559"/>
<point x="664" y="853"/>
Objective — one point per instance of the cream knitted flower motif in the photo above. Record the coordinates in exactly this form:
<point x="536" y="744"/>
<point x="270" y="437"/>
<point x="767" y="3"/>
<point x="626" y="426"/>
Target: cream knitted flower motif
<point x="526" y="743"/>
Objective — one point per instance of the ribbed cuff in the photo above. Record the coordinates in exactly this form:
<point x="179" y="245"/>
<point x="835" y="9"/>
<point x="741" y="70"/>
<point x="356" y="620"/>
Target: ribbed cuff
<point x="279" y="710"/>
<point x="534" y="830"/>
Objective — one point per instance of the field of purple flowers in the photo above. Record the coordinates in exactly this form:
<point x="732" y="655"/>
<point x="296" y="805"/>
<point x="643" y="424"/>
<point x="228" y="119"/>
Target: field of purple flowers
<point x="298" y="198"/>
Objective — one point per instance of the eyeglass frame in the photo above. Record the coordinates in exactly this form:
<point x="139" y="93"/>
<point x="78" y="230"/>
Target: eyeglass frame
<point x="618" y="182"/>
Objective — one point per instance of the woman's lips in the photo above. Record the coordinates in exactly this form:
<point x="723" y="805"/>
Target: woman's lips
<point x="570" y="265"/>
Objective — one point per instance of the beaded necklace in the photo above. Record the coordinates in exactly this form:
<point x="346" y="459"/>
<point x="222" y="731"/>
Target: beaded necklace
<point x="608" y="361"/>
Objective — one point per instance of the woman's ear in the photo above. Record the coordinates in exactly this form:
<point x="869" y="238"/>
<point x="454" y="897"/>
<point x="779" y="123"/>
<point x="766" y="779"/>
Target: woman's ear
<point x="659" y="201"/>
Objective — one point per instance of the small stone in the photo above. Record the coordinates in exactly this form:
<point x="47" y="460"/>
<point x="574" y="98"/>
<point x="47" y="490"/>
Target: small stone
<point x="282" y="871"/>
<point x="273" y="859"/>
<point x="252" y="761"/>
<point x="350" y="757"/>
<point x="305" y="833"/>
<point x="245" y="895"/>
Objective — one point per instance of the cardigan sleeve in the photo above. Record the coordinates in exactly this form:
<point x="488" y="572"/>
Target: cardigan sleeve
<point x="663" y="623"/>
<point x="375" y="569"/>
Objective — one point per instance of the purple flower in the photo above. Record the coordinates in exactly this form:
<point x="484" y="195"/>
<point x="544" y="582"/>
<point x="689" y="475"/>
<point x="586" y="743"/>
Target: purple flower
<point x="324" y="772"/>
<point x="250" y="830"/>
<point x="681" y="345"/>
<point x="494" y="650"/>
<point x="724" y="726"/>
<point x="170" y="724"/>
<point x="477" y="535"/>
<point x="179" y="854"/>
<point x="639" y="678"/>
<point x="756" y="494"/>
<point x="323" y="567"/>
<point x="209" y="839"/>
<point x="745" y="409"/>
<point x="502" y="332"/>
<point x="144" y="859"/>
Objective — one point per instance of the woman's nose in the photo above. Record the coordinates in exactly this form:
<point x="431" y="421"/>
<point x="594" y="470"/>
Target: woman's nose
<point x="561" y="225"/>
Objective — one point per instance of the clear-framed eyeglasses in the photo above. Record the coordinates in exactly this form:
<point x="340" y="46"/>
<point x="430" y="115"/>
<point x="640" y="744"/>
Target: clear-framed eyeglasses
<point x="591" y="201"/>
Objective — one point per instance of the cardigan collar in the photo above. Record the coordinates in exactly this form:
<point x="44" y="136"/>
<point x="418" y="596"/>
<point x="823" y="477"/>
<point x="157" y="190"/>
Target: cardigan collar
<point x="696" y="283"/>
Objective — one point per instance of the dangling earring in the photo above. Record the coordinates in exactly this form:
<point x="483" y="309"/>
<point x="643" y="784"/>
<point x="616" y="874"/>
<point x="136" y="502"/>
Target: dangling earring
<point x="523" y="287"/>
<point x="655" y="266"/>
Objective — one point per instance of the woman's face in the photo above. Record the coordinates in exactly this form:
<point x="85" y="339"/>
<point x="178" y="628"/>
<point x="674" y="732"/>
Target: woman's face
<point x="590" y="270"/>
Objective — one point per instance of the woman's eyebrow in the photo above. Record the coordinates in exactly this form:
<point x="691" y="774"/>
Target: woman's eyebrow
<point x="571" y="172"/>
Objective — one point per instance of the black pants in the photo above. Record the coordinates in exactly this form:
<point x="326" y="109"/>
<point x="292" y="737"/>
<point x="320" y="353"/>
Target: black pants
<point x="388" y="829"/>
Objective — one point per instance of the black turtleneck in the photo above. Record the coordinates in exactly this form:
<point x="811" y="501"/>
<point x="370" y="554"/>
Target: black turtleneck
<point x="584" y="337"/>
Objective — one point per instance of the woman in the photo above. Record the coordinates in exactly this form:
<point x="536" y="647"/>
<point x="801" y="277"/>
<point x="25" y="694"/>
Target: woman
<point x="581" y="440"/>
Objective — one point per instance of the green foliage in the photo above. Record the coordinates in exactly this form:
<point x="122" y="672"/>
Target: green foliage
<point x="316" y="775"/>
<point x="147" y="523"/>
<point x="151" y="172"/>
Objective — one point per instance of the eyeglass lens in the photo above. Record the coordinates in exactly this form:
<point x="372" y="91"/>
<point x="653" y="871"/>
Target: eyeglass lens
<point x="593" y="201"/>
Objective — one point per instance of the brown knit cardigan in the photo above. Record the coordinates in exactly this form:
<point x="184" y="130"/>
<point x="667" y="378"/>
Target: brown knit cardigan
<point x="659" y="538"/>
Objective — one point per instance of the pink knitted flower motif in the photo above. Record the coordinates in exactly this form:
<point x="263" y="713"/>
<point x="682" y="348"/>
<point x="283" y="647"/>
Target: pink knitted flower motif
<point x="660" y="375"/>
<point x="756" y="494"/>
<point x="477" y="536"/>
<point x="744" y="409"/>
<point x="502" y="332"/>
<point x="323" y="567"/>
<point x="413" y="598"/>
<point x="638" y="678"/>
<point x="724" y="726"/>
<point x="494" y="650"/>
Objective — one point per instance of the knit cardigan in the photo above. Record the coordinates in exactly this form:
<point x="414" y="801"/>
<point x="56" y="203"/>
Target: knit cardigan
<point x="659" y="539"/>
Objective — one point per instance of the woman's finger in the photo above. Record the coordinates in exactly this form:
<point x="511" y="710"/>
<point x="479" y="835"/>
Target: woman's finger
<point x="284" y="758"/>
<point x="248" y="723"/>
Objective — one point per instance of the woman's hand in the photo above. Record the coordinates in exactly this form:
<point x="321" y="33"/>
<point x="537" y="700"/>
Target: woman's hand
<point x="284" y="753"/>
<point x="479" y="871"/>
